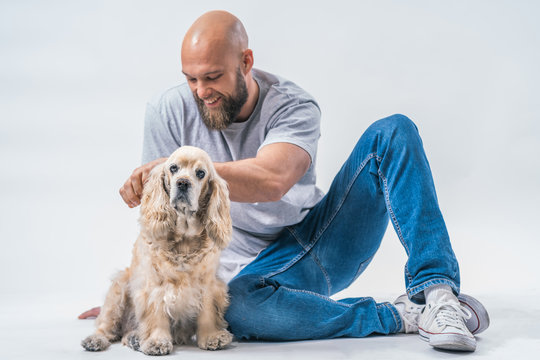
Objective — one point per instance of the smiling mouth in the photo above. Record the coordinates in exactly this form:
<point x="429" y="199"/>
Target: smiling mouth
<point x="211" y="102"/>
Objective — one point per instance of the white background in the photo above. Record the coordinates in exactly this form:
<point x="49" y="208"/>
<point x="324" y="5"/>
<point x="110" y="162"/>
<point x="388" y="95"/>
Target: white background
<point x="75" y="77"/>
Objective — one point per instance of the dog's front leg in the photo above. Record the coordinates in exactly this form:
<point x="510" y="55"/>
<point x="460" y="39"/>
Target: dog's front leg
<point x="109" y="321"/>
<point x="154" y="329"/>
<point x="211" y="327"/>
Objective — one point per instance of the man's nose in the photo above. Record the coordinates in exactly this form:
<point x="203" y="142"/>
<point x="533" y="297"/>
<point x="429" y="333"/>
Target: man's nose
<point x="203" y="91"/>
<point x="183" y="184"/>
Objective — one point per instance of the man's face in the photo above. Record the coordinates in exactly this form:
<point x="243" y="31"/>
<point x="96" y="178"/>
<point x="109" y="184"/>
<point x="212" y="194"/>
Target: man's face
<point x="218" y="86"/>
<point x="220" y="110"/>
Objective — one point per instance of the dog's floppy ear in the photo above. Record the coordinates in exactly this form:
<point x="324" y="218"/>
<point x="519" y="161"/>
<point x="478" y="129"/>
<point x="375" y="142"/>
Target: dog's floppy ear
<point x="218" y="223"/>
<point x="157" y="215"/>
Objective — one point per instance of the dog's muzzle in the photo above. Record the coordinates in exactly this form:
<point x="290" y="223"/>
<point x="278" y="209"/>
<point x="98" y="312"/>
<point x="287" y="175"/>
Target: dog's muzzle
<point x="183" y="185"/>
<point x="181" y="197"/>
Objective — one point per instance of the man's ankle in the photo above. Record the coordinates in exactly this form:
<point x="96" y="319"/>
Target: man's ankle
<point x="435" y="292"/>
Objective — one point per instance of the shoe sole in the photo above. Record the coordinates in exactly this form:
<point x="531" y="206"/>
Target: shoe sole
<point x="479" y="320"/>
<point x="454" y="342"/>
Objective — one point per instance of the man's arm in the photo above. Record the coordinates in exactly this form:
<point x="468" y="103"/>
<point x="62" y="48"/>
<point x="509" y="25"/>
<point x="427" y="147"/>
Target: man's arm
<point x="266" y="177"/>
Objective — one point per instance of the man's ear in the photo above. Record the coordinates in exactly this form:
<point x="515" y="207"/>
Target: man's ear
<point x="247" y="61"/>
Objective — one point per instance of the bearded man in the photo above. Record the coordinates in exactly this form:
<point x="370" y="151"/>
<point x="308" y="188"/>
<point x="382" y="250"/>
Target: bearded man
<point x="294" y="246"/>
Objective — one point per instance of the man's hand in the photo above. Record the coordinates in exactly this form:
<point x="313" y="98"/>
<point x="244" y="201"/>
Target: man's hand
<point x="92" y="313"/>
<point x="132" y="190"/>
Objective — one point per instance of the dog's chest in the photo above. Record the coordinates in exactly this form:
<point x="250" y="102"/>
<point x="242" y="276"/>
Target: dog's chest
<point x="182" y="302"/>
<point x="177" y="284"/>
<point x="184" y="254"/>
<point x="188" y="226"/>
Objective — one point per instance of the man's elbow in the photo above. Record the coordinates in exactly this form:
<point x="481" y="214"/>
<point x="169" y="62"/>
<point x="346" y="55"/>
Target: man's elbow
<point x="275" y="190"/>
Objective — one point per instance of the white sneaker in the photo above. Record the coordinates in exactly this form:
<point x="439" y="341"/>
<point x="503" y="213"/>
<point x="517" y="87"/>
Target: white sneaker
<point x="440" y="323"/>
<point x="409" y="312"/>
<point x="479" y="321"/>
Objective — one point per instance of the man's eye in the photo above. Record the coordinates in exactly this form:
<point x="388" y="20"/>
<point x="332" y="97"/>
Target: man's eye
<point x="173" y="168"/>
<point x="200" y="174"/>
<point x="214" y="78"/>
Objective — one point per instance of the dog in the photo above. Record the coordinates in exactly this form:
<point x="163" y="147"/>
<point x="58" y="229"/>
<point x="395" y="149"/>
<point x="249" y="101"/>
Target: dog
<point x="171" y="292"/>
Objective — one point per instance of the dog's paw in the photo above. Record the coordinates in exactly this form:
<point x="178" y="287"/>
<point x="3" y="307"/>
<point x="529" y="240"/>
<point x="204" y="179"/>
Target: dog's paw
<point x="157" y="347"/>
<point x="95" y="342"/>
<point x="132" y="340"/>
<point x="215" y="341"/>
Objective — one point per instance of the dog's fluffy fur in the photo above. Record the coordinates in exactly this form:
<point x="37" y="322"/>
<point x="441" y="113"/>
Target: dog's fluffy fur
<point x="171" y="292"/>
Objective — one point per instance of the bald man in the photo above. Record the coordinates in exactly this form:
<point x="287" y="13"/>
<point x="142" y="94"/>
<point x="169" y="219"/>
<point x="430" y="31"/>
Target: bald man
<point x="293" y="246"/>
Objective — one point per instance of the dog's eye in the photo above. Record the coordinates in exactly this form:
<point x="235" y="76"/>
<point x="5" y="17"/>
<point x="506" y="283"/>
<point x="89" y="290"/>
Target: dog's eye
<point x="173" y="168"/>
<point x="200" y="174"/>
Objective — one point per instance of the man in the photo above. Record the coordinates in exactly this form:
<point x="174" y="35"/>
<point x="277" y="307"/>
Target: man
<point x="293" y="246"/>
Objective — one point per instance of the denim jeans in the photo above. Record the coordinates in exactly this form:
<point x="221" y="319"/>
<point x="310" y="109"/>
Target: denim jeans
<point x="284" y="293"/>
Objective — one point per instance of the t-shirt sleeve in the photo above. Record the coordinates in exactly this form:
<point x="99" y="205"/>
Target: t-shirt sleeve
<point x="298" y="124"/>
<point x="159" y="135"/>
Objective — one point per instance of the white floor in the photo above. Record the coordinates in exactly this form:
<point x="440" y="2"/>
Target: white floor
<point x="45" y="327"/>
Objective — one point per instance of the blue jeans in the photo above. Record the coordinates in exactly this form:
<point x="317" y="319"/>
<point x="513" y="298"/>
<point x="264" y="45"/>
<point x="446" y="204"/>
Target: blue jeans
<point x="284" y="293"/>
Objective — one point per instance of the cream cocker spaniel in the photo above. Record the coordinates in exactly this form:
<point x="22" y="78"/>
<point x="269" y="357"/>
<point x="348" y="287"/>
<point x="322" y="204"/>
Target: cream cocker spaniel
<point x="171" y="292"/>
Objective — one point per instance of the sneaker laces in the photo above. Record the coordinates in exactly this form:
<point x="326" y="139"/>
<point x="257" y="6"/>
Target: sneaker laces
<point x="410" y="318"/>
<point x="449" y="313"/>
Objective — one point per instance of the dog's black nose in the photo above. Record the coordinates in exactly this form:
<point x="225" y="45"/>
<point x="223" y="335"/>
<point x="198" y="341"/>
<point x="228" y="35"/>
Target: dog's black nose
<point x="183" y="184"/>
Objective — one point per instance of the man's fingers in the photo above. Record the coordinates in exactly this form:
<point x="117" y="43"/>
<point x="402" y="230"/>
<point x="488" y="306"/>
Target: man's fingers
<point x="132" y="190"/>
<point x="145" y="175"/>
<point x="137" y="185"/>
<point x="128" y="194"/>
<point x="147" y="168"/>
<point x="92" y="313"/>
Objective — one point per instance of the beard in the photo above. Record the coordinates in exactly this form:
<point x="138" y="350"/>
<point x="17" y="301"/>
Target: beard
<point x="226" y="113"/>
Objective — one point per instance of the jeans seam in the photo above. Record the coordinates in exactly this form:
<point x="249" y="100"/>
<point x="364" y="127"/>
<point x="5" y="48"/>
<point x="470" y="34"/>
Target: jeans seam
<point x="418" y="288"/>
<point x="315" y="259"/>
<point x="293" y="260"/>
<point x="396" y="319"/>
<point x="325" y="273"/>
<point x="316" y="294"/>
<point x="390" y="209"/>
<point x="408" y="274"/>
<point x="296" y="236"/>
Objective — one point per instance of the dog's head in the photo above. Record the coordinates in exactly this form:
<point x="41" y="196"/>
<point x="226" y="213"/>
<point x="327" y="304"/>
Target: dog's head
<point x="187" y="185"/>
<point x="187" y="174"/>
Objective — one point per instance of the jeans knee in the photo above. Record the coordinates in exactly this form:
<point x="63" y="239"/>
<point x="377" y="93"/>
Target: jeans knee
<point x="397" y="122"/>
<point x="399" y="128"/>
<point x="240" y="314"/>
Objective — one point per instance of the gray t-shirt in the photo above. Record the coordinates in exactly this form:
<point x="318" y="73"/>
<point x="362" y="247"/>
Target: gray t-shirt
<point x="284" y="113"/>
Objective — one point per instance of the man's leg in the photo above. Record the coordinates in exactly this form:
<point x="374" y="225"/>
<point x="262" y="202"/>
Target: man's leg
<point x="282" y="295"/>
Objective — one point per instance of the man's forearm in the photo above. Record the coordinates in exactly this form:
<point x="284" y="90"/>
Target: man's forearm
<point x="250" y="182"/>
<point x="266" y="177"/>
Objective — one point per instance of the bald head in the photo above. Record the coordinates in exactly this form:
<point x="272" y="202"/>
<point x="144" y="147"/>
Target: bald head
<point x="217" y="64"/>
<point x="219" y="31"/>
